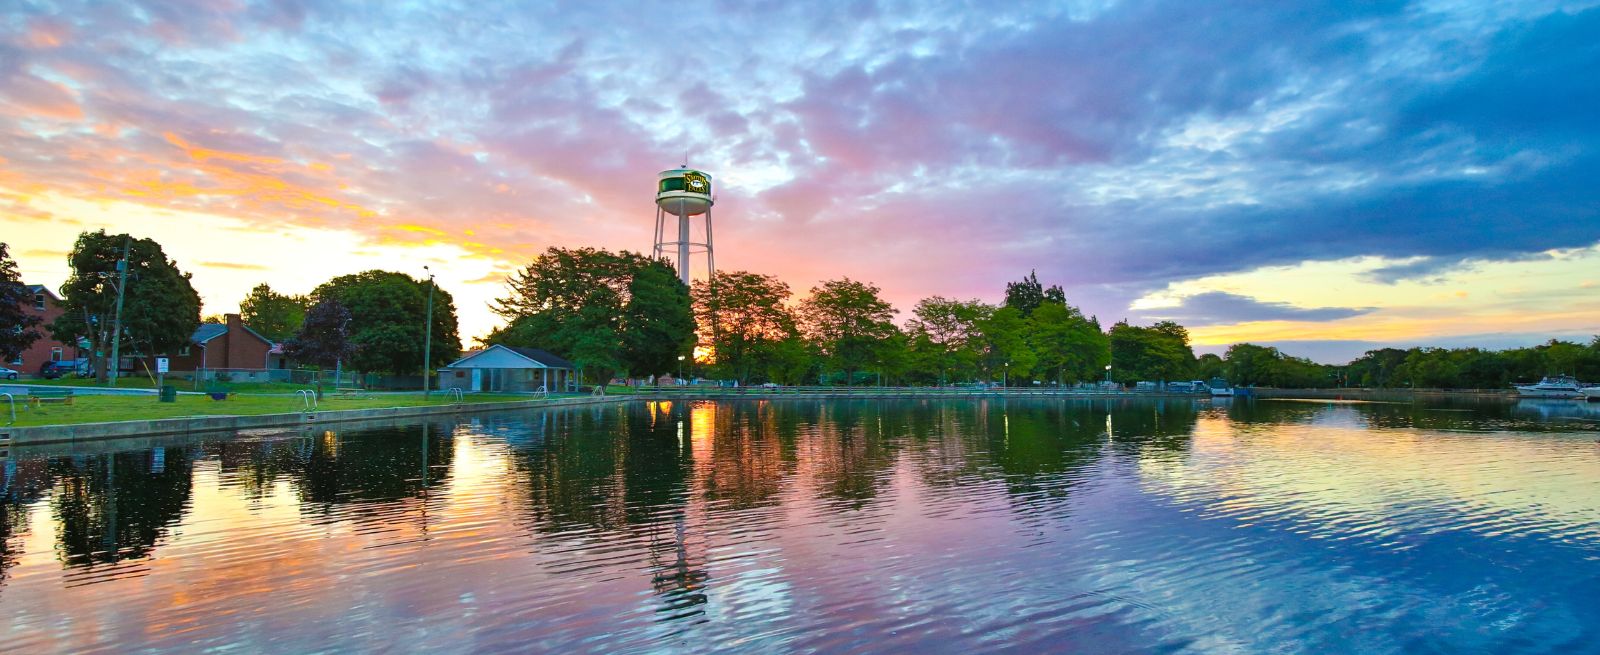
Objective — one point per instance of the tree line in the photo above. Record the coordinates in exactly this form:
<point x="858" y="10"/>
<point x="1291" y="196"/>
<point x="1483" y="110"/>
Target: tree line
<point x="369" y="321"/>
<point x="625" y="314"/>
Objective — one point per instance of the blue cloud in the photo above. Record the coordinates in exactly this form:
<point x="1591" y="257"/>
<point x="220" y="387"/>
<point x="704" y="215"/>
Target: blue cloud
<point x="1219" y="307"/>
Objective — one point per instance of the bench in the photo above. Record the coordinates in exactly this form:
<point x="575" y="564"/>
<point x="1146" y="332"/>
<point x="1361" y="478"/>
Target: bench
<point x="38" y="397"/>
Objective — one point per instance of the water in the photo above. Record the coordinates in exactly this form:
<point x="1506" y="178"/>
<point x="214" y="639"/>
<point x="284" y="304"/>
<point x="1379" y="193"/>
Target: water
<point x="940" y="526"/>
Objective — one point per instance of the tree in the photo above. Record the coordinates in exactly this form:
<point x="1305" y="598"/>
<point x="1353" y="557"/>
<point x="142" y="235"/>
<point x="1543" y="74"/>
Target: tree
<point x="1069" y="345"/>
<point x="1005" y="345"/>
<point x="848" y="323"/>
<point x="160" y="308"/>
<point x="387" y="316"/>
<point x="1027" y="295"/>
<point x="658" y="321"/>
<point x="323" y="338"/>
<point x="752" y="318"/>
<point x="579" y="303"/>
<point x="1158" y="352"/>
<point x="17" y="324"/>
<point x="947" y="332"/>
<point x="272" y="314"/>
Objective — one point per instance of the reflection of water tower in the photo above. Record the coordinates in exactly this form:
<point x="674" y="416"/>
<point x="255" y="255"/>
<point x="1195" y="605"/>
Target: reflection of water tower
<point x="684" y="193"/>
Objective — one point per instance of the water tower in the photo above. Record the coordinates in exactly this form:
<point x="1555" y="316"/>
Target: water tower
<point x="684" y="193"/>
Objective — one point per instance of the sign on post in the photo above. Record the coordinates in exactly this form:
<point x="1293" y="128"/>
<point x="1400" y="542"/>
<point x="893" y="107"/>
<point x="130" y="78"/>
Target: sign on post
<point x="161" y="365"/>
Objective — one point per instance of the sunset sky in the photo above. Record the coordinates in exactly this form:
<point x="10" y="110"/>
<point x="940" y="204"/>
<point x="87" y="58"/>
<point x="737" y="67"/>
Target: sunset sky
<point x="1322" y="176"/>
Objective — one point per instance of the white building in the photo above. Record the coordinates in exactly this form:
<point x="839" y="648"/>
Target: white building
<point x="508" y="369"/>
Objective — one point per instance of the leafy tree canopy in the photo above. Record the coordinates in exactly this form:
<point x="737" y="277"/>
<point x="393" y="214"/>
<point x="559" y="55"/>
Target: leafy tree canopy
<point x="387" y="315"/>
<point x="160" y="307"/>
<point x="17" y="318"/>
<point x="274" y="315"/>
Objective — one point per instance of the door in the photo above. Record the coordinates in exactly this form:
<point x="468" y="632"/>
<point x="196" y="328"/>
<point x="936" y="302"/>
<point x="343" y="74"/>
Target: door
<point x="477" y="379"/>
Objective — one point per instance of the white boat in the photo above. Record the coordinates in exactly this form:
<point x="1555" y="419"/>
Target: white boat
<point x="1560" y="386"/>
<point x="1591" y="393"/>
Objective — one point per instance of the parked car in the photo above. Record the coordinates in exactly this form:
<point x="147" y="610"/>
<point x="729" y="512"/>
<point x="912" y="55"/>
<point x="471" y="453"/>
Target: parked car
<point x="53" y="370"/>
<point x="6" y="373"/>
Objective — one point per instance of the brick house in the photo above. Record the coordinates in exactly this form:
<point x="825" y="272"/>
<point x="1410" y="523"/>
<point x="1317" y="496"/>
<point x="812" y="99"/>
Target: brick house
<point x="230" y="348"/>
<point x="47" y="306"/>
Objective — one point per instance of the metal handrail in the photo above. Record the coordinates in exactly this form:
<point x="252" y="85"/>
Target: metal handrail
<point x="13" y="402"/>
<point x="456" y="393"/>
<point x="308" y="397"/>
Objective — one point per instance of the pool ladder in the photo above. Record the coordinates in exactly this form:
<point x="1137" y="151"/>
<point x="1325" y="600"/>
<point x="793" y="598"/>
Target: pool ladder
<point x="11" y="400"/>
<point x="455" y="393"/>
<point x="309" y="399"/>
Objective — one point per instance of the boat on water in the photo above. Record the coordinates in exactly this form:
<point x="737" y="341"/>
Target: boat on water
<point x="1560" y="386"/>
<point x="1591" y="393"/>
<point x="1219" y="387"/>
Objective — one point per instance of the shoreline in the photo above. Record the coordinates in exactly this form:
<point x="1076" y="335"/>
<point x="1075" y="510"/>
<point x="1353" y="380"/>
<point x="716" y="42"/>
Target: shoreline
<point x="135" y="429"/>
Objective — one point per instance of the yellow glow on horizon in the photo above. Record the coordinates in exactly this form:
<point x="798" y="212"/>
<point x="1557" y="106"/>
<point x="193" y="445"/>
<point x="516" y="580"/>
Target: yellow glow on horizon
<point x="228" y="255"/>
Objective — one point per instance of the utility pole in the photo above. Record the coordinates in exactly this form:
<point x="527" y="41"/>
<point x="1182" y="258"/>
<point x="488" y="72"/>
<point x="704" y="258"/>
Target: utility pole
<point x="116" y="323"/>
<point x="427" y="340"/>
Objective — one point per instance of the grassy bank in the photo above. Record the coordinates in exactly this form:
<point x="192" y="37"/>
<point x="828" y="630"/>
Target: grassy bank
<point x="99" y="409"/>
<point x="182" y="385"/>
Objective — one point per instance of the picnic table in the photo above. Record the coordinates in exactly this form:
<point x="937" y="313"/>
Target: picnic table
<point x="37" y="397"/>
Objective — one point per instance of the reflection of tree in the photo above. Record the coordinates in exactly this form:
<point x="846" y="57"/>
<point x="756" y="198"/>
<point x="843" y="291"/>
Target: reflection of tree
<point x="21" y="483"/>
<point x="851" y="452"/>
<point x="114" y="507"/>
<point x="749" y="458"/>
<point x="378" y="464"/>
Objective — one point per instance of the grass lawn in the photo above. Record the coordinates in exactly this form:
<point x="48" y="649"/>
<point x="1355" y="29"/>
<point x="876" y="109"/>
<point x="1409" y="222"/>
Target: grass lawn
<point x="182" y="385"/>
<point x="98" y="409"/>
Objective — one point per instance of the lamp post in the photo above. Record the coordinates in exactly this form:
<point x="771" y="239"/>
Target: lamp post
<point x="1005" y="376"/>
<point x="680" y="367"/>
<point x="427" y="340"/>
<point x="1108" y="372"/>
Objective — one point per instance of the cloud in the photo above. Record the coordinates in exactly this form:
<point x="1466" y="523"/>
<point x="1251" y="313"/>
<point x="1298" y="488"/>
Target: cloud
<point x="1219" y="307"/>
<point x="235" y="266"/>
<point x="1116" y="147"/>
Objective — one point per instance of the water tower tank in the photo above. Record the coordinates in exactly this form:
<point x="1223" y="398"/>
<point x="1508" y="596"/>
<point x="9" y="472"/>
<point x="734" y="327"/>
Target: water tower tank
<point x="683" y="191"/>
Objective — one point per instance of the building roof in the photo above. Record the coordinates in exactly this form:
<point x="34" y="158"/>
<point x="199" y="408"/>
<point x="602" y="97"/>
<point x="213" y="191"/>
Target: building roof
<point x="40" y="288"/>
<point x="207" y="332"/>
<point x="541" y="356"/>
<point x="532" y="357"/>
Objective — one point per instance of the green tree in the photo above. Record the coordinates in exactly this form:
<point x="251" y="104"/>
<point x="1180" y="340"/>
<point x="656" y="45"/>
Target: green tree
<point x="160" y="307"/>
<point x="17" y="323"/>
<point x="1028" y="294"/>
<point x="752" y="319"/>
<point x="945" y="332"/>
<point x="387" y="315"/>
<point x="848" y="323"/>
<point x="658" y="320"/>
<point x="578" y="303"/>
<point x="1006" y="352"/>
<point x="323" y="338"/>
<point x="1069" y="346"/>
<point x="272" y="314"/>
<point x="1158" y="352"/>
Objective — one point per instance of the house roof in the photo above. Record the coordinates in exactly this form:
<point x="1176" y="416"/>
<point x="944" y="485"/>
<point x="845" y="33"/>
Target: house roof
<point x="541" y="358"/>
<point x="40" y="288"/>
<point x="207" y="332"/>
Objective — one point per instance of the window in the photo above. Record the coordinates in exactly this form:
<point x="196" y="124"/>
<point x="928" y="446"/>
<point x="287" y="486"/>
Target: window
<point x="38" y="301"/>
<point x="55" y="354"/>
<point x="672" y="184"/>
<point x="183" y="352"/>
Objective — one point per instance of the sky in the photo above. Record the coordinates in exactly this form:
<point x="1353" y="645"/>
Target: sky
<point x="1326" y="177"/>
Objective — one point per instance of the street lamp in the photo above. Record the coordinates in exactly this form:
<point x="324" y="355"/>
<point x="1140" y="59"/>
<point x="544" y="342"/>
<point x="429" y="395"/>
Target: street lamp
<point x="427" y="339"/>
<point x="1005" y="376"/>
<point x="680" y="367"/>
<point x="1108" y="372"/>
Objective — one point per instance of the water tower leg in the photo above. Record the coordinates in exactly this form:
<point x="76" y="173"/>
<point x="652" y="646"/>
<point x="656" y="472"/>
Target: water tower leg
<point x="683" y="247"/>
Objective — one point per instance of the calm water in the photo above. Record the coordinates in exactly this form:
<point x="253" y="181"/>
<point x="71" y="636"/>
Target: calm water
<point x="954" y="526"/>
